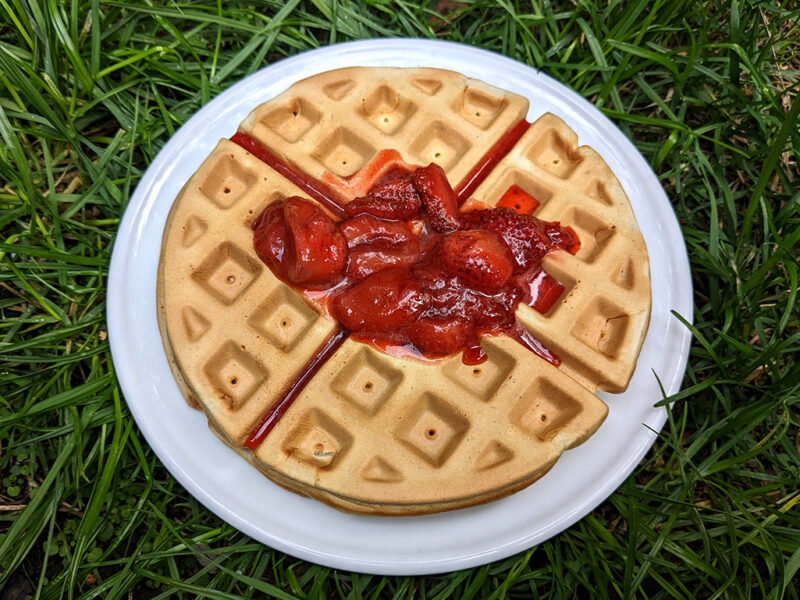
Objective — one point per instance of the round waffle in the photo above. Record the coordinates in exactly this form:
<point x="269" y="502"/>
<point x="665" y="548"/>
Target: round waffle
<point x="370" y="432"/>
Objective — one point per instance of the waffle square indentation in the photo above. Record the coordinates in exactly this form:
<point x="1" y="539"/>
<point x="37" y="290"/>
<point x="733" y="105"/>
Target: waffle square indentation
<point x="441" y="144"/>
<point x="234" y="374"/>
<point x="553" y="154"/>
<point x="193" y="229"/>
<point x="624" y="273"/>
<point x="195" y="325"/>
<point x="336" y="90"/>
<point x="226" y="182"/>
<point x="426" y="85"/>
<point x="597" y="190"/>
<point x="493" y="455"/>
<point x="386" y="109"/>
<point x="602" y="327"/>
<point x="432" y="429"/>
<point x="343" y="152"/>
<point x="367" y="381"/>
<point x="292" y="120"/>
<point x="593" y="233"/>
<point x="483" y="380"/>
<point x="227" y="272"/>
<point x="544" y="408"/>
<point x="480" y="107"/>
<point x="380" y="470"/>
<point x="318" y="440"/>
<point x="283" y="318"/>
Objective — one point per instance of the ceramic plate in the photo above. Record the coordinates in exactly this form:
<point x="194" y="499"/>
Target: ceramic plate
<point x="308" y="529"/>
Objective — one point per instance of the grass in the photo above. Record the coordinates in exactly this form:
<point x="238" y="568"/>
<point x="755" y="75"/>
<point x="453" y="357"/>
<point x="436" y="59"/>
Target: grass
<point x="89" y="93"/>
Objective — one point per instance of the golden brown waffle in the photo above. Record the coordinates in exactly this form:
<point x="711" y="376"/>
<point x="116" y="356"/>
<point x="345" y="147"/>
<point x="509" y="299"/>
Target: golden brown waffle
<point x="337" y="121"/>
<point x="235" y="334"/>
<point x="374" y="433"/>
<point x="384" y="435"/>
<point x="598" y="326"/>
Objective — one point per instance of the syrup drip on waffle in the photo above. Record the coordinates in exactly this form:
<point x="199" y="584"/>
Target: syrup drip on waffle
<point x="293" y="390"/>
<point x="490" y="160"/>
<point x="313" y="187"/>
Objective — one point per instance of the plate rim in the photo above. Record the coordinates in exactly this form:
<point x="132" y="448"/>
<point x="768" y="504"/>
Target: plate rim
<point x="141" y="206"/>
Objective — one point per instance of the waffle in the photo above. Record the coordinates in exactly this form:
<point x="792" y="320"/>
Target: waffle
<point x="373" y="433"/>
<point x="336" y="122"/>
<point x="598" y="327"/>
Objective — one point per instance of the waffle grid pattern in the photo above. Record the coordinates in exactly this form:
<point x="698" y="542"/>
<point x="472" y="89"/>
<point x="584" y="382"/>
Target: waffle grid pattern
<point x="373" y="433"/>
<point x="605" y="309"/>
<point x="338" y="121"/>
<point x="372" y="427"/>
<point x="232" y="328"/>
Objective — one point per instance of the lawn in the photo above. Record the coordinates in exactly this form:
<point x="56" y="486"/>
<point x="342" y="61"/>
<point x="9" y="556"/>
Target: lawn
<point x="90" y="91"/>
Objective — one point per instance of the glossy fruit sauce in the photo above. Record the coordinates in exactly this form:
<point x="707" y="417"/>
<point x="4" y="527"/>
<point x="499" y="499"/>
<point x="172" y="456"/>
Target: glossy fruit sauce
<point x="405" y="269"/>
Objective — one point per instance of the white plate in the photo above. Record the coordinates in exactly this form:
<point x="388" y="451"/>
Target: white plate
<point x="236" y="492"/>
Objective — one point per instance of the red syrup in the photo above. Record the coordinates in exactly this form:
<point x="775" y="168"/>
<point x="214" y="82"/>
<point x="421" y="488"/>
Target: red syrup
<point x="429" y="324"/>
<point x="313" y="187"/>
<point x="490" y="160"/>
<point x="521" y="335"/>
<point x="384" y="166"/>
<point x="293" y="390"/>
<point x="519" y="200"/>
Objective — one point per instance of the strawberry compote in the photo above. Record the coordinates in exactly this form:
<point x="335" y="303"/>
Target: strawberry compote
<point x="406" y="269"/>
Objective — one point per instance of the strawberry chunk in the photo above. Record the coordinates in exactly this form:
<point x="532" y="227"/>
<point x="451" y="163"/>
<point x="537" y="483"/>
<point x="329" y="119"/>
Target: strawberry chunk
<point x="300" y="243"/>
<point x="438" y="198"/>
<point x="478" y="258"/>
<point x="366" y="260"/>
<point x="271" y="238"/>
<point x="387" y="300"/>
<point x="366" y="229"/>
<point x="376" y="244"/>
<point x="524" y="235"/>
<point x="563" y="237"/>
<point x="440" y="337"/>
<point x="395" y="199"/>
